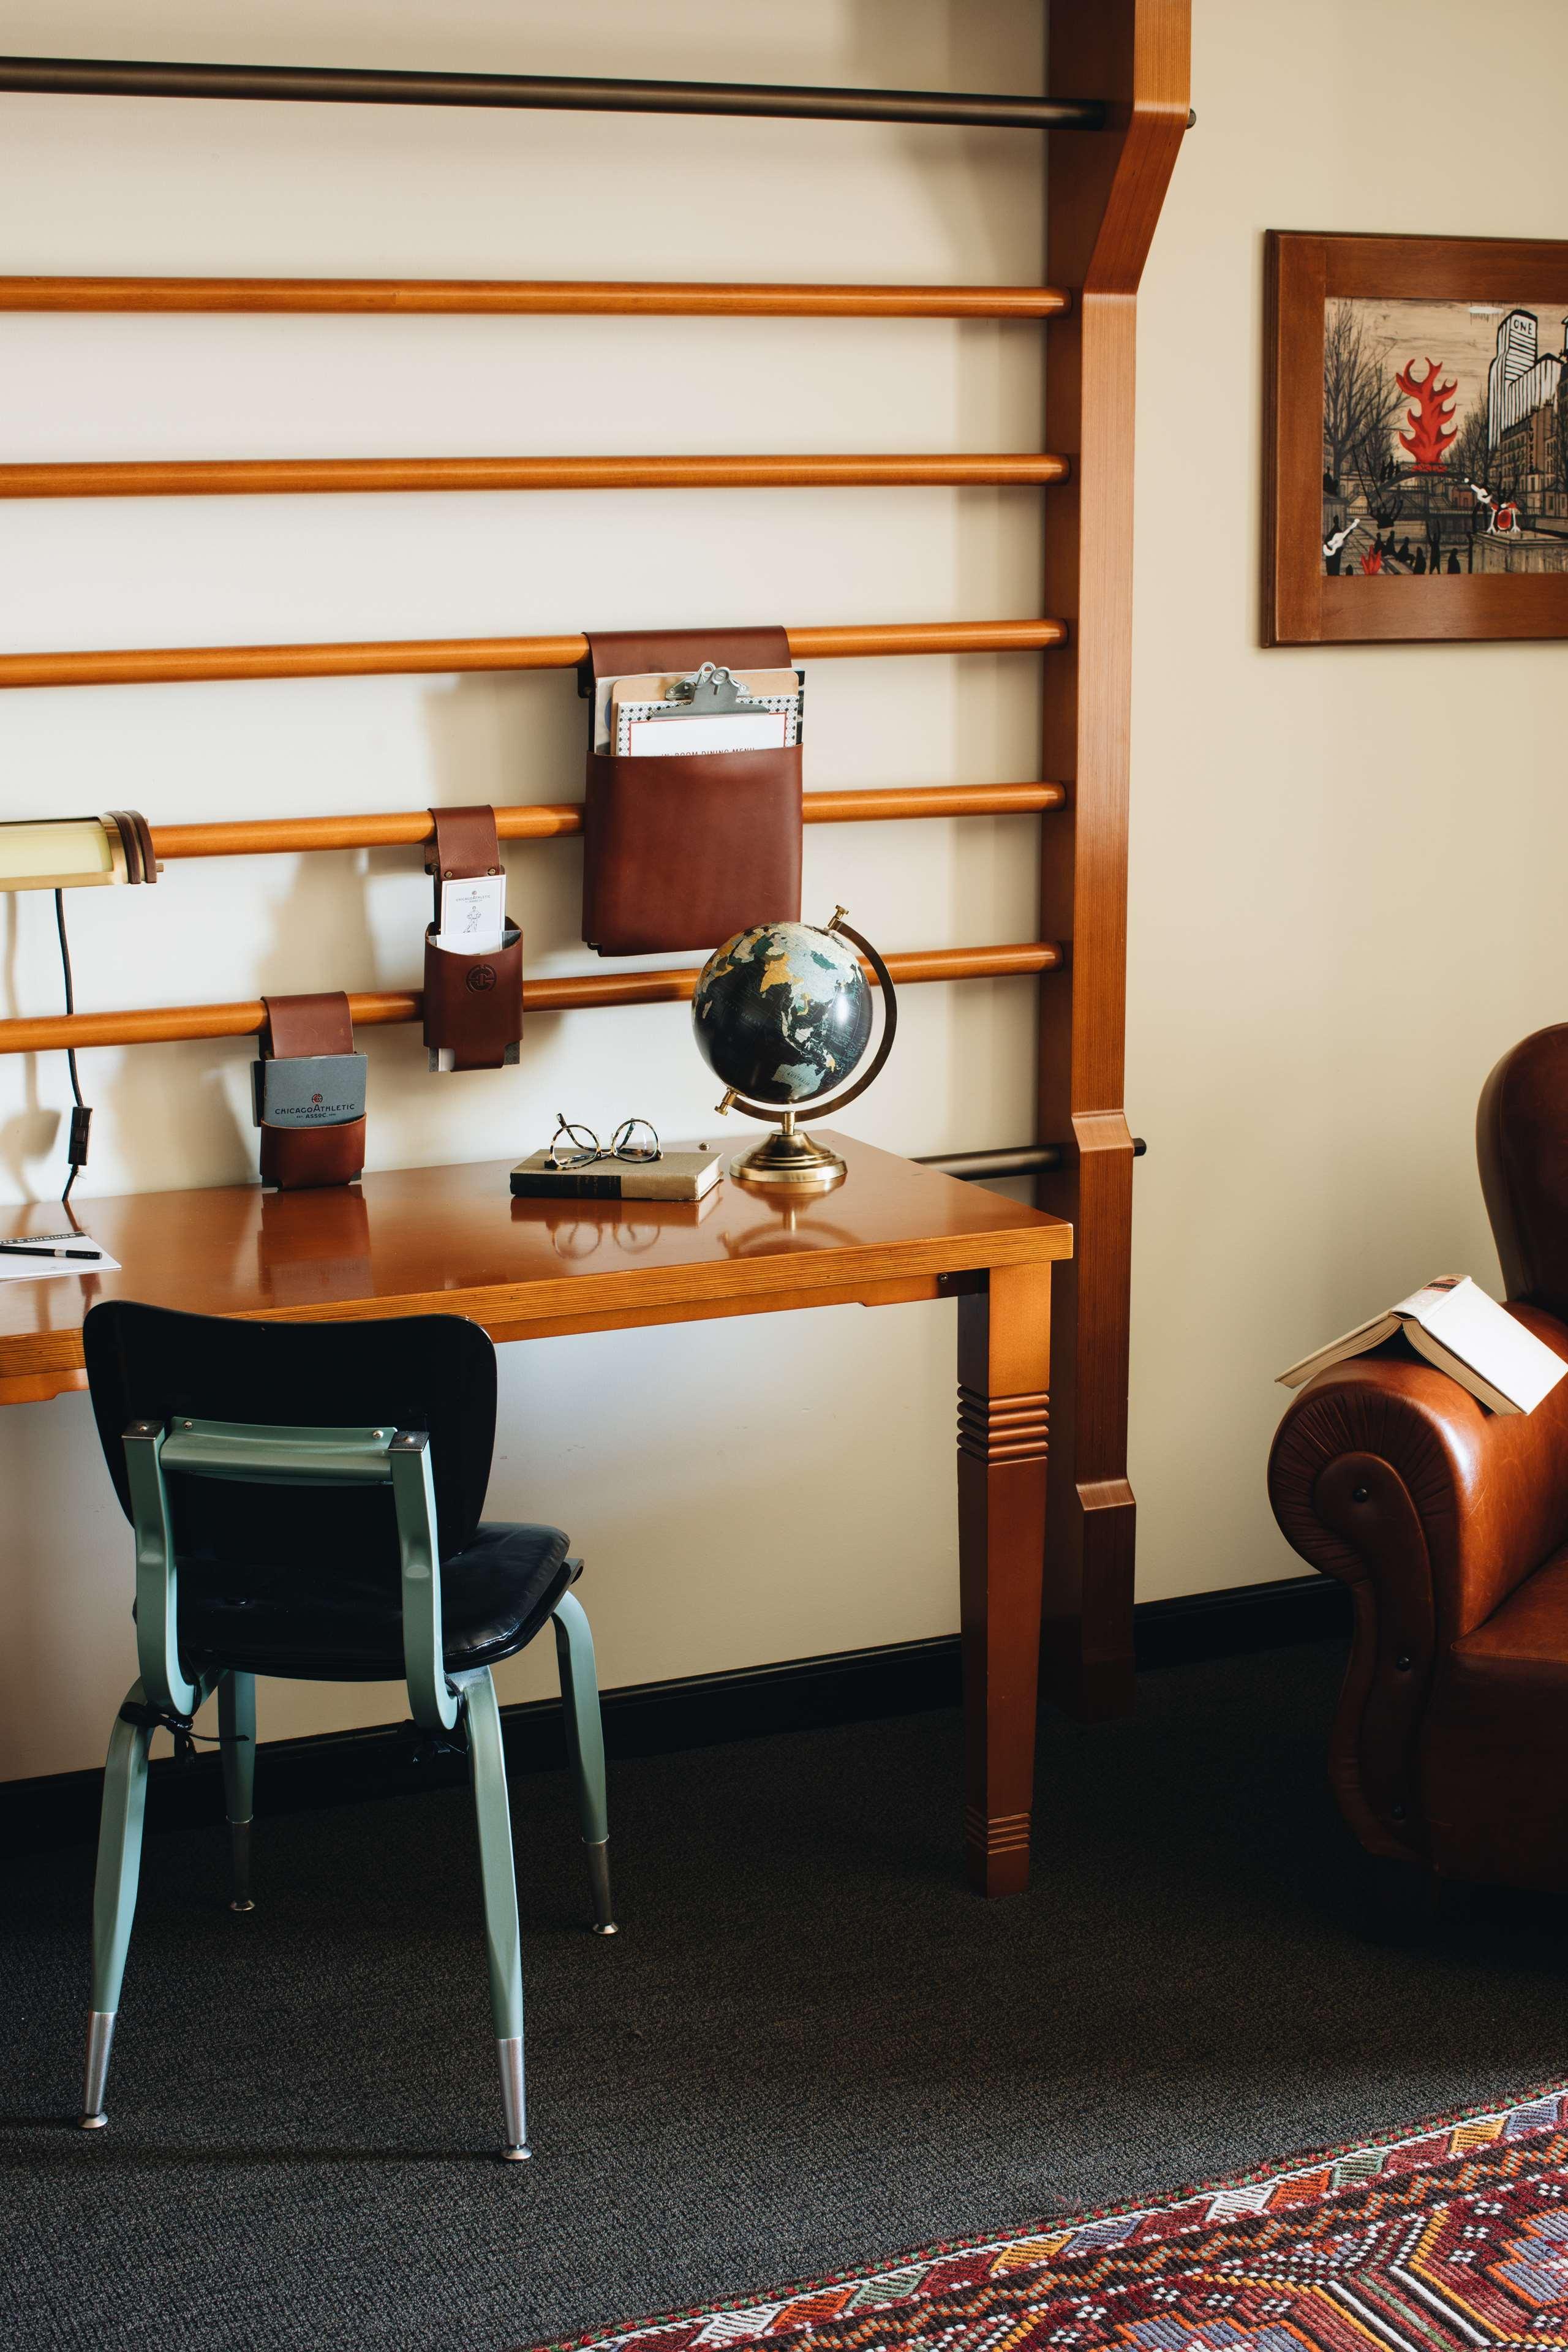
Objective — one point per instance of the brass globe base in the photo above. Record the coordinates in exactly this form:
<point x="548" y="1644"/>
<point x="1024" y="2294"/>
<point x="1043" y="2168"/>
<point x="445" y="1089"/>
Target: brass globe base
<point x="789" y="1160"/>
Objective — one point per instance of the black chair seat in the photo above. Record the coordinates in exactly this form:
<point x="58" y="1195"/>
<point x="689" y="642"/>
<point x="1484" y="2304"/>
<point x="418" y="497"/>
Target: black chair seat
<point x="496" y="1593"/>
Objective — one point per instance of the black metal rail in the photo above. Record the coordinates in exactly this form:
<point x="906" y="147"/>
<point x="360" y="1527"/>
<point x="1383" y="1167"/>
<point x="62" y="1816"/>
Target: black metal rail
<point x="1020" y="1160"/>
<point x="350" y="86"/>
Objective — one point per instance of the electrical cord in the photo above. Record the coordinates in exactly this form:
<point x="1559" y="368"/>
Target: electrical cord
<point x="81" y="1117"/>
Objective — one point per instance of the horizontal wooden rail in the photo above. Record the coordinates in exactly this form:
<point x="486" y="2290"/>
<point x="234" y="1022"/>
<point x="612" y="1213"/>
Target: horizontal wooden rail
<point x="293" y="476"/>
<point x="355" y="86"/>
<point x="161" y="1025"/>
<point x="552" y="819"/>
<point x="157" y="665"/>
<point x="537" y="297"/>
<point x="1015" y="1159"/>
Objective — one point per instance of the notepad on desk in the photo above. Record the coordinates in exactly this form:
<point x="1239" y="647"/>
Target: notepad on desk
<point x="33" y="1257"/>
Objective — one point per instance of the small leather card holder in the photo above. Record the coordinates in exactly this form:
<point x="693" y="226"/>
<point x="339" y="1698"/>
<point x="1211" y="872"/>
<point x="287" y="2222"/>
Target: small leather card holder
<point x="473" y="1002"/>
<point x="309" y="1068"/>
<point x="682" y="852"/>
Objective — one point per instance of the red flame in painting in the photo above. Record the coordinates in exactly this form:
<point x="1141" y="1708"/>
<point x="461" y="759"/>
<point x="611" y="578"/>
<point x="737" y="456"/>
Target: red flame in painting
<point x="1373" y="560"/>
<point x="1430" y="431"/>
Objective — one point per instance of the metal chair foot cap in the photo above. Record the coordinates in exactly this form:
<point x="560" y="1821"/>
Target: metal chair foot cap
<point x="606" y="1927"/>
<point x="516" y="2155"/>
<point x="94" y="2123"/>
<point x="245" y="1906"/>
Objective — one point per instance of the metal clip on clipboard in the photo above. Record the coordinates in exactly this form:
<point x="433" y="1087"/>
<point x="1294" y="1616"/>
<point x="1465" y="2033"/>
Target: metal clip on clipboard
<point x="713" y="693"/>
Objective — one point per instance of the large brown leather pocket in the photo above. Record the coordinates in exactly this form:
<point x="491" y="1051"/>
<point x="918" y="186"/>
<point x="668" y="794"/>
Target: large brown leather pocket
<point x="682" y="853"/>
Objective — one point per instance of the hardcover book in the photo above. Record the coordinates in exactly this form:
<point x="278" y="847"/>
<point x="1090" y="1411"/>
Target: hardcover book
<point x="675" y="1176"/>
<point x="1466" y="1334"/>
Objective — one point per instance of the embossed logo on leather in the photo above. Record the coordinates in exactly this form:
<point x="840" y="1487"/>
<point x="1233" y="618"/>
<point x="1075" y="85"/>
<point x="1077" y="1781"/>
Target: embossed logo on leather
<point x="482" y="976"/>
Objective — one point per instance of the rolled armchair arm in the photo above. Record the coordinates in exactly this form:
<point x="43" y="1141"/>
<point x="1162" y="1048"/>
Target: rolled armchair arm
<point x="1390" y="1476"/>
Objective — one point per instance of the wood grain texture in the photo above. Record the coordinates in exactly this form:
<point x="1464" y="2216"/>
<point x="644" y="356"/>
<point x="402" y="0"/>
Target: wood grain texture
<point x="155" y="1024"/>
<point x="453" y="1241"/>
<point x="554" y="819"/>
<point x="1301" y="604"/>
<point x="305" y="477"/>
<point x="166" y="665"/>
<point x="1104" y="200"/>
<point x="1004" y="1360"/>
<point x="533" y="297"/>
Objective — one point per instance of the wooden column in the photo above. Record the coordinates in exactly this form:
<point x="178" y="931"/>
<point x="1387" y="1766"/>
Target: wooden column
<point x="1004" y="1363"/>
<point x="1104" y="195"/>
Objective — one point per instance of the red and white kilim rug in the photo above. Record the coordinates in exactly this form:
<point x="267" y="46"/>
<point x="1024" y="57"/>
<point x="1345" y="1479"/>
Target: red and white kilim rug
<point x="1447" y="2239"/>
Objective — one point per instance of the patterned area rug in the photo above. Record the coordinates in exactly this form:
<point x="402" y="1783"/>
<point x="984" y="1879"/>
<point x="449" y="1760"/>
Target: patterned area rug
<point x="1452" y="2235"/>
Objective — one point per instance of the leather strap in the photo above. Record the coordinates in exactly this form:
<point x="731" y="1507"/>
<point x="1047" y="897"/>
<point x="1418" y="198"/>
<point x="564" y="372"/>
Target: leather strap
<point x="466" y="843"/>
<point x="306" y="1024"/>
<point x="622" y="653"/>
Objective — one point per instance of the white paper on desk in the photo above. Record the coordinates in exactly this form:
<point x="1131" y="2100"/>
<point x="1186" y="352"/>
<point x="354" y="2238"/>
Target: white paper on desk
<point x="473" y="914"/>
<point x="38" y="1269"/>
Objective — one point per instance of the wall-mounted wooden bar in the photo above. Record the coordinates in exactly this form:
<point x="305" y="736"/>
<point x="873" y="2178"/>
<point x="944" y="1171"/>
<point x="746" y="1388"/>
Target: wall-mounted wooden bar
<point x="537" y="297"/>
<point x="355" y="86"/>
<point x="163" y="1024"/>
<point x="293" y="476"/>
<point x="159" y="665"/>
<point x="553" y="820"/>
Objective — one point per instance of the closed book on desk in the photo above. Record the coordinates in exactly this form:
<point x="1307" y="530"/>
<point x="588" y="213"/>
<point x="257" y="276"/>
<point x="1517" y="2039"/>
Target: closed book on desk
<point x="678" y="1176"/>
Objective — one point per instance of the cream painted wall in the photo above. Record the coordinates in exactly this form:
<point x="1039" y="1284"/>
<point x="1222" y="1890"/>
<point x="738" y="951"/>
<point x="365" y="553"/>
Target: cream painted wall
<point x="742" y="1491"/>
<point x="1348" y="865"/>
<point x="1307" y="1036"/>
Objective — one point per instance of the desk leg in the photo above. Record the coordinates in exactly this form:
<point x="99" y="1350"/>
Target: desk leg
<point x="1004" y="1365"/>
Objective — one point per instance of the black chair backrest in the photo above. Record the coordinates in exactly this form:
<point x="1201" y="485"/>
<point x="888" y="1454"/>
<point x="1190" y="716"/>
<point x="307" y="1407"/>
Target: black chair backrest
<point x="436" y="1372"/>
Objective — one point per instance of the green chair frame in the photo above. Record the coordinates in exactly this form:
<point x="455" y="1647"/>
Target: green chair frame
<point x="438" y="1701"/>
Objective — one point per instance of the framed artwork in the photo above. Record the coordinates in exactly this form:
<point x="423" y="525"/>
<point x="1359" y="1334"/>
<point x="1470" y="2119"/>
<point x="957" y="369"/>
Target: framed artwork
<point x="1416" y="440"/>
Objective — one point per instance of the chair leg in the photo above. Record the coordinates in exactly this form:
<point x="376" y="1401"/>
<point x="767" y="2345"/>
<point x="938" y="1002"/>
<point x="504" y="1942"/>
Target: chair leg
<point x="237" y="1732"/>
<point x="114" y="1896"/>
<point x="586" y="1746"/>
<point x="487" y="1763"/>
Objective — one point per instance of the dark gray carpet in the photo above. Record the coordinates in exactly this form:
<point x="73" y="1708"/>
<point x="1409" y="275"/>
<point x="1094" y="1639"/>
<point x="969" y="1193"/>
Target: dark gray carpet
<point x="809" y="2048"/>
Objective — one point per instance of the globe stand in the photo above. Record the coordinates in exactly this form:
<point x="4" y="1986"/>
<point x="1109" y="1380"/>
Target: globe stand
<point x="789" y="1160"/>
<point x="788" y="1157"/>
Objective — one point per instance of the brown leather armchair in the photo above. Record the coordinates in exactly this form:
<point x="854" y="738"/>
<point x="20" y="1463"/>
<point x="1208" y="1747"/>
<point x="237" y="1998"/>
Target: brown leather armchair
<point x="1450" y="1525"/>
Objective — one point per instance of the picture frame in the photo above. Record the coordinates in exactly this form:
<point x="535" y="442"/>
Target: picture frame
<point x="1414" y="493"/>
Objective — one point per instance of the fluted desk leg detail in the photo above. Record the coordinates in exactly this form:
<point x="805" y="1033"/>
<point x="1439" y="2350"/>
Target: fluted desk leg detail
<point x="1003" y="1367"/>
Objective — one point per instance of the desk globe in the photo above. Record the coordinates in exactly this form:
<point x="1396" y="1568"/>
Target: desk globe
<point x="782" y="1013"/>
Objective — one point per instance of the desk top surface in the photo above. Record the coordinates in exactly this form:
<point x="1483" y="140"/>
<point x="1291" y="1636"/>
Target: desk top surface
<point x="453" y="1241"/>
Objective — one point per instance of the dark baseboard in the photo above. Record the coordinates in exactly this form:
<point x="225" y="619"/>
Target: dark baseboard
<point x="659" y="1718"/>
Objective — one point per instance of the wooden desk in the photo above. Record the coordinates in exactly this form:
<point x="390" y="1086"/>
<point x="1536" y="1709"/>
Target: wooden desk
<point x="452" y="1241"/>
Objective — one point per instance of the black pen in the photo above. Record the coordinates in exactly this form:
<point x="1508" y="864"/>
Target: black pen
<point x="36" y="1249"/>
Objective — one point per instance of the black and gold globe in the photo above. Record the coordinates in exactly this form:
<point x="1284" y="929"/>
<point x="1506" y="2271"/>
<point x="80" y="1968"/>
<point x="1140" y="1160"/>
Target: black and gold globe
<point x="782" y="1013"/>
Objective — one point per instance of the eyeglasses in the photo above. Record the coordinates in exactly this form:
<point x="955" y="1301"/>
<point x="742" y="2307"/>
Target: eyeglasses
<point x="634" y="1139"/>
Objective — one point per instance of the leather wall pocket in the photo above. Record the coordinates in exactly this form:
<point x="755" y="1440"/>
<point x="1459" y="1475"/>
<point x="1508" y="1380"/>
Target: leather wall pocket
<point x="680" y="853"/>
<point x="473" y="1004"/>
<point x="309" y="1094"/>
<point x="473" y="997"/>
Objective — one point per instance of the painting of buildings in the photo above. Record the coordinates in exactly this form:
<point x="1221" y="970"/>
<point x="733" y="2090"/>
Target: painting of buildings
<point x="1444" y="437"/>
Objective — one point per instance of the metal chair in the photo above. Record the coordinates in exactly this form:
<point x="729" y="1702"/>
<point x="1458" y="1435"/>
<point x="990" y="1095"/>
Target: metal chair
<point x="306" y="1499"/>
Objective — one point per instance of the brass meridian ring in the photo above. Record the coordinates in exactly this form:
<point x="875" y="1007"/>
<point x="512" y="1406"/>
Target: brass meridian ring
<point x="890" y="1031"/>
